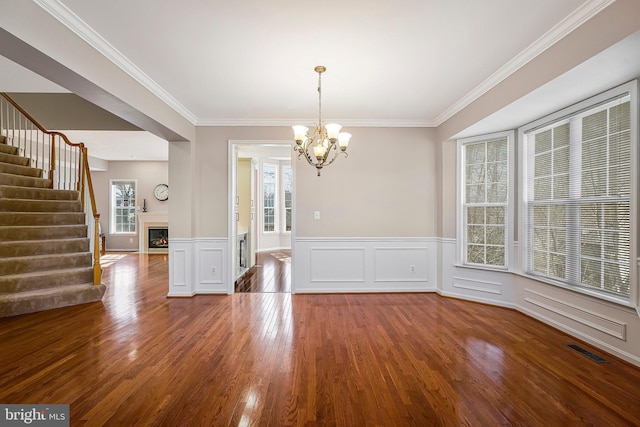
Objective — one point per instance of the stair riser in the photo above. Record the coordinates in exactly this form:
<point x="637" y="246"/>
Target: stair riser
<point x="45" y="280"/>
<point x="15" y="304"/>
<point x="11" y="192"/>
<point x="20" y="170"/>
<point x="8" y="149"/>
<point x="14" y="159"/>
<point x="42" y="218"/>
<point x="18" y="205"/>
<point x="43" y="247"/>
<point x="43" y="263"/>
<point x="8" y="234"/>
<point x="24" y="181"/>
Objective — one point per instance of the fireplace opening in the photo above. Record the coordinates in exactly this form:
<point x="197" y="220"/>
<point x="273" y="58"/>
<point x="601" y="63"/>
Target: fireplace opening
<point x="158" y="237"/>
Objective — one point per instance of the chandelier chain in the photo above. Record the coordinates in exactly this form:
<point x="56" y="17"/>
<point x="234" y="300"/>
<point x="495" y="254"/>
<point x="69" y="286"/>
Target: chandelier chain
<point x="320" y="100"/>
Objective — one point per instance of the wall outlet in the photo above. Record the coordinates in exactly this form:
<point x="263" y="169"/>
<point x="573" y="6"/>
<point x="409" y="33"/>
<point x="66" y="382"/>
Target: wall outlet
<point x="412" y="269"/>
<point x="316" y="215"/>
<point x="131" y="240"/>
<point x="213" y="269"/>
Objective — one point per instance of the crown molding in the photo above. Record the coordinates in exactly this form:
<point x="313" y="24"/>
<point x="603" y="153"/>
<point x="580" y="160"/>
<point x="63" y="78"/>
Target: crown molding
<point x="69" y="19"/>
<point x="344" y="123"/>
<point x="581" y="15"/>
<point x="80" y="28"/>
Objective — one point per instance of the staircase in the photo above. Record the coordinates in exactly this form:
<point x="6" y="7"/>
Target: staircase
<point x="45" y="260"/>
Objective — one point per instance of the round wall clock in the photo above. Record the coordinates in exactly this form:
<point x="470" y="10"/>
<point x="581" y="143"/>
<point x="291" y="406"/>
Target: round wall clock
<point x="161" y="192"/>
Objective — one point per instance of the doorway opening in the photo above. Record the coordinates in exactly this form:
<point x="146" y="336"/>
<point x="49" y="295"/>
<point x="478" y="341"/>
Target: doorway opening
<point x="261" y="217"/>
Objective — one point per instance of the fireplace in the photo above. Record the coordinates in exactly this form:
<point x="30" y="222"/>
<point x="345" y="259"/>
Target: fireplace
<point x="158" y="221"/>
<point x="158" y="237"/>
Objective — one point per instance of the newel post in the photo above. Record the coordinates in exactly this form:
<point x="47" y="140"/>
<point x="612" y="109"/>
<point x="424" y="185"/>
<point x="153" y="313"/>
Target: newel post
<point x="97" y="269"/>
<point x="52" y="159"/>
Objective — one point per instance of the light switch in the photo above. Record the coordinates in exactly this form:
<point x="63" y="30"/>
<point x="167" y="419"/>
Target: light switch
<point x="316" y="215"/>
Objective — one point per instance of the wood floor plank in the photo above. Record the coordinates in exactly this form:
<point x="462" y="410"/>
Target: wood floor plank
<point x="276" y="359"/>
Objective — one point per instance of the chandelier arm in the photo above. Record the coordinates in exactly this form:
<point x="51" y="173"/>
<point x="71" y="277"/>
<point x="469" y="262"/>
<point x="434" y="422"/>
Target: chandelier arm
<point x="307" y="156"/>
<point x="335" y="156"/>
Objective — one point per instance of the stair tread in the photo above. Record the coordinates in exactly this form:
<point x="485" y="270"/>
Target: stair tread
<point x="47" y="291"/>
<point x="25" y="257"/>
<point x="42" y="226"/>
<point x="52" y="190"/>
<point x="42" y="241"/>
<point x="70" y="270"/>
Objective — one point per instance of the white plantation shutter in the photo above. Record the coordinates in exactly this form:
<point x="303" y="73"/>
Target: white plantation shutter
<point x="578" y="198"/>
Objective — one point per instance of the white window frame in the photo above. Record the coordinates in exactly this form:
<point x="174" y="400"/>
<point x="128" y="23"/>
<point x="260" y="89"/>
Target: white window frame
<point x="275" y="198"/>
<point x="630" y="88"/>
<point x="112" y="208"/>
<point x="510" y="204"/>
<point x="283" y="211"/>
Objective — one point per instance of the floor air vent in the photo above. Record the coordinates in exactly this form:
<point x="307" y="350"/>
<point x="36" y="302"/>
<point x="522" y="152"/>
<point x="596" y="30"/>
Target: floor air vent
<point x="587" y="353"/>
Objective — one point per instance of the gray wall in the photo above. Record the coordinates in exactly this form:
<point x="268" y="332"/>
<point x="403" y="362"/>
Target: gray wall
<point x="148" y="175"/>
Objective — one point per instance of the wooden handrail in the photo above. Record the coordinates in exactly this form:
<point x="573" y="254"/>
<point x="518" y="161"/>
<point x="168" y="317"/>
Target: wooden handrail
<point x="84" y="175"/>
<point x="38" y="125"/>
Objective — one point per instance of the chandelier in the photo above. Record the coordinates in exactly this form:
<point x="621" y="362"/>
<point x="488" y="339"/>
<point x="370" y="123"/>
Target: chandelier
<point x="324" y="138"/>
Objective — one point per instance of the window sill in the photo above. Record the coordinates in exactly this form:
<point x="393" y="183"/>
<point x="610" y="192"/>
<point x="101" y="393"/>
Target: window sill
<point x="480" y="267"/>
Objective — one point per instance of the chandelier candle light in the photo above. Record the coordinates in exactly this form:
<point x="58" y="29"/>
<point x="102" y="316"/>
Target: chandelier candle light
<point x="324" y="138"/>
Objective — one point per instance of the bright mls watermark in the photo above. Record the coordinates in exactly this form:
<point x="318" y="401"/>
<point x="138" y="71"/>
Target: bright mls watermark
<point x="34" y="415"/>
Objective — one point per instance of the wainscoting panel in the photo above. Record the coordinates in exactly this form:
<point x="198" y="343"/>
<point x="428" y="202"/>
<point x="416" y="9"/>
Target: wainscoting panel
<point x="401" y="264"/>
<point x="472" y="283"/>
<point x="180" y="268"/>
<point x="337" y="264"/>
<point x="477" y="285"/>
<point x="582" y="315"/>
<point x="197" y="266"/>
<point x="364" y="265"/>
<point x="211" y="265"/>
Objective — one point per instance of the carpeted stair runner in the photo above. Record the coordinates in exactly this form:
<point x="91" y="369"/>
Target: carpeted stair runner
<point x="45" y="260"/>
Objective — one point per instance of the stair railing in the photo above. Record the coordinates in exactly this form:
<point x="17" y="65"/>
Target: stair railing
<point x="65" y="163"/>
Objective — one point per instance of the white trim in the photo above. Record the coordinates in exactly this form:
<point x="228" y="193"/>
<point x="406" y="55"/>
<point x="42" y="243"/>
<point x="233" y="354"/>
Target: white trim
<point x="365" y="264"/>
<point x="578" y="314"/>
<point x="585" y="12"/>
<point x="339" y="254"/>
<point x="180" y="268"/>
<point x="511" y="182"/>
<point x="406" y="123"/>
<point x="80" y="28"/>
<point x="367" y="239"/>
<point x="616" y="351"/>
<point x="231" y="224"/>
<point x="69" y="19"/>
<point x="111" y="219"/>
<point x="477" y="285"/>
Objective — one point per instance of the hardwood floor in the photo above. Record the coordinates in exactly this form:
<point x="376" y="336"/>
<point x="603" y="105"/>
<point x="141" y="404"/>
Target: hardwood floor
<point x="271" y="273"/>
<point x="276" y="359"/>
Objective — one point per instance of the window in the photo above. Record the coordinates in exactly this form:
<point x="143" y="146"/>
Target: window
<point x="288" y="201"/>
<point x="269" y="197"/>
<point x="123" y="206"/>
<point x="485" y="186"/>
<point x="577" y="195"/>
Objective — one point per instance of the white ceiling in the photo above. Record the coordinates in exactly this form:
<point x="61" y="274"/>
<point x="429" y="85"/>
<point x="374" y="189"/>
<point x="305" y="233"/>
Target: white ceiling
<point x="389" y="63"/>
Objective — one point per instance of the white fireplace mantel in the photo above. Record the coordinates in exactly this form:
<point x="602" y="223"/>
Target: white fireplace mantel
<point x="146" y="219"/>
